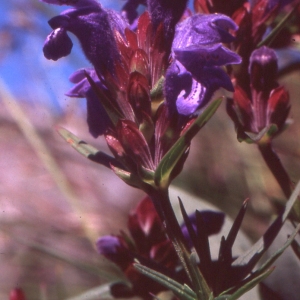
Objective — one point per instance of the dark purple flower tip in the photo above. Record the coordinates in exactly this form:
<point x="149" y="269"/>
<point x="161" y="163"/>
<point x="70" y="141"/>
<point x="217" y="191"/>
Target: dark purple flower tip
<point x="57" y="45"/>
<point x="114" y="248"/>
<point x="94" y="27"/>
<point x="108" y="245"/>
<point x="263" y="69"/>
<point x="202" y="30"/>
<point x="97" y="118"/>
<point x="213" y="221"/>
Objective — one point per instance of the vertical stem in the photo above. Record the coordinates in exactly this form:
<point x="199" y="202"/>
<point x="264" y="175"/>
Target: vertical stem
<point x="161" y="201"/>
<point x="276" y="167"/>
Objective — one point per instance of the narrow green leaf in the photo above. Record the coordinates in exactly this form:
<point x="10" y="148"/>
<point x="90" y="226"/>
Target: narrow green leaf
<point x="112" y="110"/>
<point x="252" y="256"/>
<point x="248" y="286"/>
<point x="277" y="253"/>
<point x="169" y="161"/>
<point x="127" y="177"/>
<point x="262" y="269"/>
<point x="183" y="292"/>
<point x="272" y="35"/>
<point x="87" y="150"/>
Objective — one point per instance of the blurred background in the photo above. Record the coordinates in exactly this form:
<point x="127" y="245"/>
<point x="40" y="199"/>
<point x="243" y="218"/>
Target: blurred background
<point x="54" y="203"/>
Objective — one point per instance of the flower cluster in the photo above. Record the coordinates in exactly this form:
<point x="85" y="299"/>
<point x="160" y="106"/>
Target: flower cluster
<point x="149" y="92"/>
<point x="149" y="244"/>
<point x="146" y="86"/>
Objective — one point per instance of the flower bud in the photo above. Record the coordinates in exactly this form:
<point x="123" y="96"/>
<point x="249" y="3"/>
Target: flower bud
<point x="263" y="69"/>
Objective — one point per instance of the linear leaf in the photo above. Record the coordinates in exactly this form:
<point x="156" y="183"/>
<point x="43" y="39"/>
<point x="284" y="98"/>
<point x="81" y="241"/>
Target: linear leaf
<point x="248" y="286"/>
<point x="87" y="150"/>
<point x="272" y="35"/>
<point x="252" y="256"/>
<point x="183" y="292"/>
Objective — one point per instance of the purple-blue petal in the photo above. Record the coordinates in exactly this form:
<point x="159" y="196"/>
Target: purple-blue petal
<point x="206" y="55"/>
<point x="189" y="103"/>
<point x="108" y="245"/>
<point x="191" y="91"/>
<point x="203" y="29"/>
<point x="213" y="221"/>
<point x="57" y="45"/>
<point x="97" y="118"/>
<point x="178" y="79"/>
<point x="94" y="27"/>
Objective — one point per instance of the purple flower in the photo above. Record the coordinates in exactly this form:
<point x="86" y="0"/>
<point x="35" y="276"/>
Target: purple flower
<point x="198" y="53"/>
<point x="92" y="25"/>
<point x="97" y="118"/>
<point x="213" y="220"/>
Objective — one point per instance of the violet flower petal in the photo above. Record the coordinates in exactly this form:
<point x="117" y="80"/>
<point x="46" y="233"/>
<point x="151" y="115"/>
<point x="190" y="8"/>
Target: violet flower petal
<point x="57" y="45"/>
<point x="206" y="55"/>
<point x="198" y="53"/>
<point x="203" y="29"/>
<point x="213" y="220"/>
<point x="93" y="26"/>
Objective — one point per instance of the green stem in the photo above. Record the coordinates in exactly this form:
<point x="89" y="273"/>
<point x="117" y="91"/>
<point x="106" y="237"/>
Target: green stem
<point x="161" y="201"/>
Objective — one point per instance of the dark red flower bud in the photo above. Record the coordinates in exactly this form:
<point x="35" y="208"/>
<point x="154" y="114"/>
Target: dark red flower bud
<point x="263" y="69"/>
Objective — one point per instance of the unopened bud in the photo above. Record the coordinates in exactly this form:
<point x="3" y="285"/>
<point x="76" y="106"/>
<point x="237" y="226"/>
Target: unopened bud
<point x="263" y="69"/>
